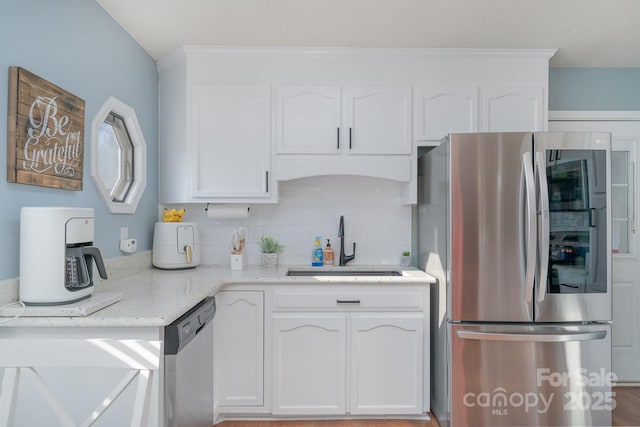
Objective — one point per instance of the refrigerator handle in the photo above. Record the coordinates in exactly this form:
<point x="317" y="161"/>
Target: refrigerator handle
<point x="533" y="336"/>
<point x="543" y="241"/>
<point x="531" y="235"/>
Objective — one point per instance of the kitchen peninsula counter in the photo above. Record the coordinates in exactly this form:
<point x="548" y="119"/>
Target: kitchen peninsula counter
<point x="252" y="305"/>
<point x="155" y="298"/>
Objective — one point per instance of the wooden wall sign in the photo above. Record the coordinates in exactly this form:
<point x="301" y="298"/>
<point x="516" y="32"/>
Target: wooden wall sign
<point x="45" y="133"/>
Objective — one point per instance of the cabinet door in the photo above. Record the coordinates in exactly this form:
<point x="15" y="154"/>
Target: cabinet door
<point x="308" y="119"/>
<point x="515" y="109"/>
<point x="238" y="349"/>
<point x="309" y="358"/>
<point x="386" y="363"/>
<point x="439" y="111"/>
<point x="378" y="120"/>
<point x="230" y="131"/>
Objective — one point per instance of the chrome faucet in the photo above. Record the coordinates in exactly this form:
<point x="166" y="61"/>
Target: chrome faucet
<point x="344" y="259"/>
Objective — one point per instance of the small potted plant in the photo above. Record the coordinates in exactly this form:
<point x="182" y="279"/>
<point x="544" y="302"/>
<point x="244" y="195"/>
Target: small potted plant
<point x="269" y="248"/>
<point x="406" y="259"/>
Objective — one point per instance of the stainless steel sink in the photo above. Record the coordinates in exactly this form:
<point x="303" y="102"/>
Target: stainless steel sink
<point x="349" y="273"/>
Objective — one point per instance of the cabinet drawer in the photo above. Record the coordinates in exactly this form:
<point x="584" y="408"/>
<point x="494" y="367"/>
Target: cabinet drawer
<point x="403" y="300"/>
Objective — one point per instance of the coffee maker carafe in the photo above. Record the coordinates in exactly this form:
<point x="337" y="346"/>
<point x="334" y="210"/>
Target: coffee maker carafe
<point x="78" y="266"/>
<point x="57" y="255"/>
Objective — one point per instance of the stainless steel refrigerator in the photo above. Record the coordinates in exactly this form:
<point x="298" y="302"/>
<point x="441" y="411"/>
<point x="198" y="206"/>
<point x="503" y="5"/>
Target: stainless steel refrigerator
<point x="516" y="228"/>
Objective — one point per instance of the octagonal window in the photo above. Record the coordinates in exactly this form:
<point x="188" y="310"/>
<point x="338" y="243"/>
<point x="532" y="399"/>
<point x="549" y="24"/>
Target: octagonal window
<point x="118" y="156"/>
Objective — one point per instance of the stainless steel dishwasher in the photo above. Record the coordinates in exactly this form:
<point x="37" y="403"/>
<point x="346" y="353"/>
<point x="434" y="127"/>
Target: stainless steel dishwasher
<point x="188" y="367"/>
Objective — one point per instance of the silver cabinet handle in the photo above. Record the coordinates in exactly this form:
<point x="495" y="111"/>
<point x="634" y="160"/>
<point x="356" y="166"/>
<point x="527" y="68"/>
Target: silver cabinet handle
<point x="532" y="337"/>
<point x="531" y="236"/>
<point x="543" y="252"/>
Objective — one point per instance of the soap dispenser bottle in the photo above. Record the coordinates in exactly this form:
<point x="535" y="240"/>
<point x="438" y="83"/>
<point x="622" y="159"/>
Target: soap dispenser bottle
<point x="328" y="254"/>
<point x="317" y="254"/>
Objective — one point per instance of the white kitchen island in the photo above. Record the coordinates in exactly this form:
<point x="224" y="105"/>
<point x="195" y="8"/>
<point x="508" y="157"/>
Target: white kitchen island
<point x="116" y="353"/>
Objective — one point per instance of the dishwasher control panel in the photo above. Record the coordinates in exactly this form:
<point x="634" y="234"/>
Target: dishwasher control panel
<point x="179" y="333"/>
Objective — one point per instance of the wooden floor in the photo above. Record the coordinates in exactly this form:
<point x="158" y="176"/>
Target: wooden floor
<point x="332" y="423"/>
<point x="626" y="413"/>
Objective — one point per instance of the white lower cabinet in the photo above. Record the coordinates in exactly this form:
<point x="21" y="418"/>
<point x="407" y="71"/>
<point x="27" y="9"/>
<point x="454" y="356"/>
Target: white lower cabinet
<point x="309" y="364"/>
<point x="306" y="350"/>
<point x="238" y="353"/>
<point x="386" y="363"/>
<point x="350" y="352"/>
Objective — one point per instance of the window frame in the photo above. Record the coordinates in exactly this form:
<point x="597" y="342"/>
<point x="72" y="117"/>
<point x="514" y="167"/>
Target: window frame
<point x="130" y="200"/>
<point x="631" y="150"/>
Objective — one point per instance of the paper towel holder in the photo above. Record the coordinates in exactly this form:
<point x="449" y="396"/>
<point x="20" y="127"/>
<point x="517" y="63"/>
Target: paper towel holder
<point x="206" y="208"/>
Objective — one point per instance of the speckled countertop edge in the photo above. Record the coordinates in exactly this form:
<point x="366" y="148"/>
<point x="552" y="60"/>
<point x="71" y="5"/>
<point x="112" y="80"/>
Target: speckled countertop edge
<point x="155" y="298"/>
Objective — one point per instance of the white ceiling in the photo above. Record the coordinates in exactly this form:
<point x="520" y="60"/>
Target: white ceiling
<point x="587" y="33"/>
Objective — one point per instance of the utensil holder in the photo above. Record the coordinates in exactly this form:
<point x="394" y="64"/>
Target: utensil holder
<point x="237" y="261"/>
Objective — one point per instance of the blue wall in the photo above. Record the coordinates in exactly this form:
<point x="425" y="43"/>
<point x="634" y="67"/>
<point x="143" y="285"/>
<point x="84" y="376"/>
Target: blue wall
<point x="594" y="89"/>
<point x="76" y="45"/>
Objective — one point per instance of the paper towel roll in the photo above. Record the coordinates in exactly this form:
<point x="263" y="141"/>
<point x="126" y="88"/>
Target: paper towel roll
<point x="227" y="211"/>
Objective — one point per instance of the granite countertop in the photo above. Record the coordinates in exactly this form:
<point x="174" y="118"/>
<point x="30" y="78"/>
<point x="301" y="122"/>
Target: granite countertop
<point x="155" y="298"/>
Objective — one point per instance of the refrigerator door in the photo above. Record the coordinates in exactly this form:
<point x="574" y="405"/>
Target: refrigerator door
<point x="514" y="375"/>
<point x="492" y="235"/>
<point x="574" y="241"/>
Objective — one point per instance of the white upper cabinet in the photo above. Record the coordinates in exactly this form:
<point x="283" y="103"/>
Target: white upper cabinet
<point x="378" y="120"/>
<point x="215" y="135"/>
<point x="308" y="119"/>
<point x="439" y="111"/>
<point x="513" y="109"/>
<point x="231" y="141"/>
<point x="235" y="121"/>
<point x="344" y="130"/>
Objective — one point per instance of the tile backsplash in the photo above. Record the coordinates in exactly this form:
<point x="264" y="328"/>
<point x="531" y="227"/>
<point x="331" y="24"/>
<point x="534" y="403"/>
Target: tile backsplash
<point x="374" y="215"/>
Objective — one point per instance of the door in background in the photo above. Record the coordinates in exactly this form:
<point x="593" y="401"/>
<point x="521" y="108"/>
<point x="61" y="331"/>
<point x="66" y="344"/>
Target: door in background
<point x="625" y="133"/>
